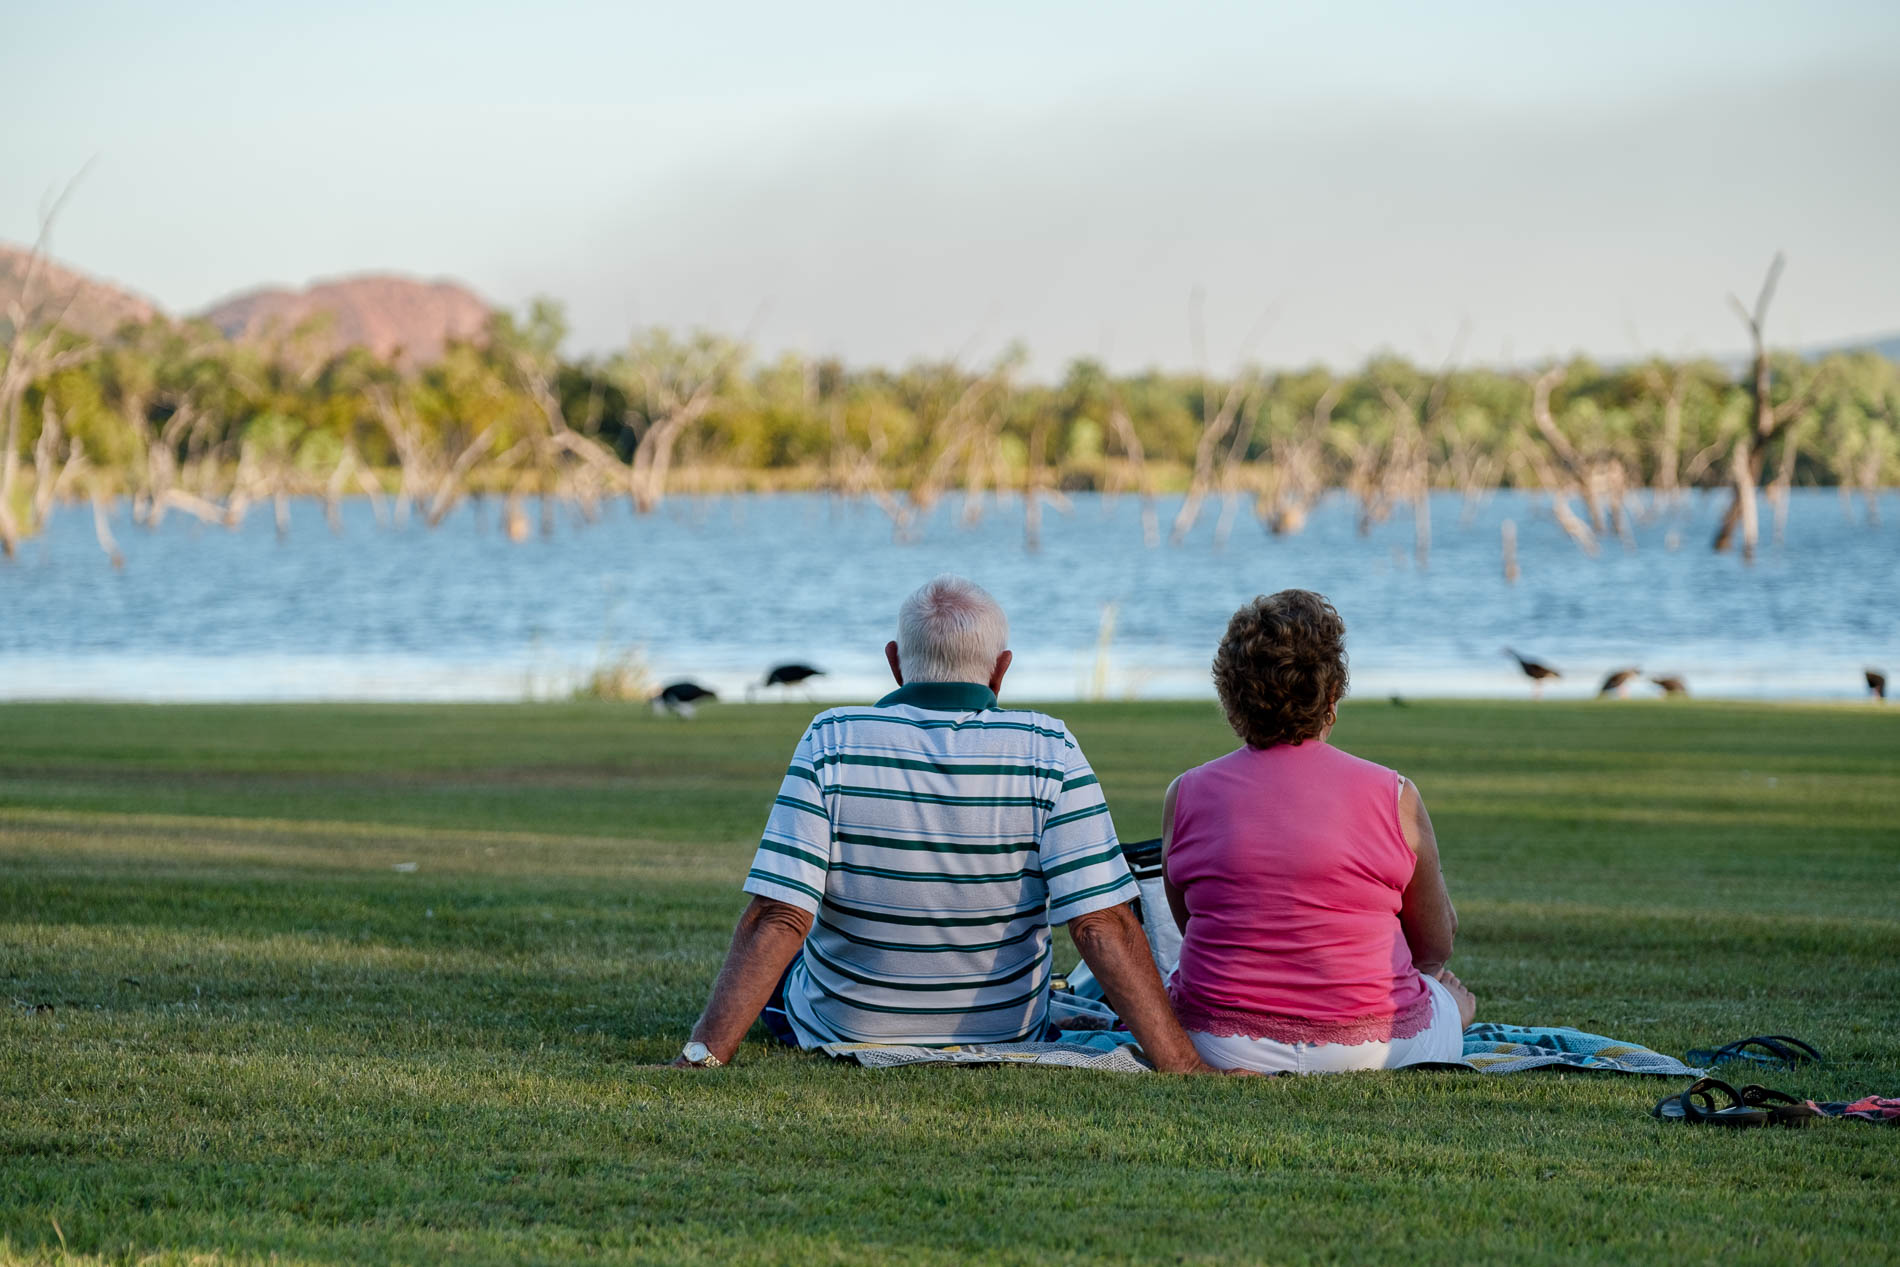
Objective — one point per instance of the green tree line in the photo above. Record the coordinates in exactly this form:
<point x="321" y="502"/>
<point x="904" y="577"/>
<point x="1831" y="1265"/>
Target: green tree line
<point x="183" y="421"/>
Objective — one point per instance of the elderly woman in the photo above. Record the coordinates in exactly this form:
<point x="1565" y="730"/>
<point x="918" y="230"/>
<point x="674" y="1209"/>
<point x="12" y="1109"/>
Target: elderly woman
<point x="1315" y="923"/>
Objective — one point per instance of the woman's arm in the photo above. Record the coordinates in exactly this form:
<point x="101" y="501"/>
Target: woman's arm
<point x="1177" y="905"/>
<point x="1427" y="915"/>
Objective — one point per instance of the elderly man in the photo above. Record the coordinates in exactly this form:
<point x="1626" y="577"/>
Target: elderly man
<point x="915" y="858"/>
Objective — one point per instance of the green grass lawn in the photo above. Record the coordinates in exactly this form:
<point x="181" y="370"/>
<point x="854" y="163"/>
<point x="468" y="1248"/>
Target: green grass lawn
<point x="233" y="1028"/>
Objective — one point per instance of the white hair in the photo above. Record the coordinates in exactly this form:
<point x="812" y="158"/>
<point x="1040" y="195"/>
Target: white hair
<point x="950" y="630"/>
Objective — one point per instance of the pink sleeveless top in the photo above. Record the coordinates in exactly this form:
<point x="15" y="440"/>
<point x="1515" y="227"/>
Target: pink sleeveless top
<point x="1293" y="867"/>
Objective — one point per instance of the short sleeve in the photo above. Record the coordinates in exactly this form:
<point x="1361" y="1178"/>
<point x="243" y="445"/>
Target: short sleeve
<point x="1082" y="862"/>
<point x="795" y="851"/>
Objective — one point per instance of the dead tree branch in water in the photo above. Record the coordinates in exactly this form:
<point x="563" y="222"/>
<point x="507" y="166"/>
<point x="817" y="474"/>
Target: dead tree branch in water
<point x="1124" y="432"/>
<point x="1563" y="472"/>
<point x="1215" y="423"/>
<point x="1749" y="454"/>
<point x="1407" y="474"/>
<point x="1298" y="480"/>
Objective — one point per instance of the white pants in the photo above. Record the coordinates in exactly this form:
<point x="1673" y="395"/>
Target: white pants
<point x="1442" y="1040"/>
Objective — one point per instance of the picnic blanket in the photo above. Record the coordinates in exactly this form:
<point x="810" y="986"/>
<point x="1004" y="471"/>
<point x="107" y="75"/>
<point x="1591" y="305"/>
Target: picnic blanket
<point x="1108" y="1057"/>
<point x="1489" y="1048"/>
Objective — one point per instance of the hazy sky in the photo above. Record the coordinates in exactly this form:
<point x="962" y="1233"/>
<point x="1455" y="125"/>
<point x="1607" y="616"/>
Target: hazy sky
<point x="885" y="182"/>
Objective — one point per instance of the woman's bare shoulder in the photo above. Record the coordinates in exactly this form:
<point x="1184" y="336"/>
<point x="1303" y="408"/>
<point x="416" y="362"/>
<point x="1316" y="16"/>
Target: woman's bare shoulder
<point x="1413" y="820"/>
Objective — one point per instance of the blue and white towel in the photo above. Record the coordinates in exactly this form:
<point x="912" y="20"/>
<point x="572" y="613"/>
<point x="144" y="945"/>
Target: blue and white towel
<point x="1093" y="1051"/>
<point x="1489" y="1048"/>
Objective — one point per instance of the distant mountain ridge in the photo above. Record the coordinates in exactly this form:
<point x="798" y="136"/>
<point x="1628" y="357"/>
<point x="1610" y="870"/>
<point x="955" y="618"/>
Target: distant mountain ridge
<point x="80" y="303"/>
<point x="398" y="318"/>
<point x="406" y="318"/>
<point x="403" y="318"/>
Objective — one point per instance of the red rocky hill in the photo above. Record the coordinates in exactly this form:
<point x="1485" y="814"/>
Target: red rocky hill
<point x="392" y="316"/>
<point x="80" y="303"/>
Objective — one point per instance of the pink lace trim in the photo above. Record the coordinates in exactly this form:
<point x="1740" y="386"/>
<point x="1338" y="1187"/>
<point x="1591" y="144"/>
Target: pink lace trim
<point x="1225" y="1022"/>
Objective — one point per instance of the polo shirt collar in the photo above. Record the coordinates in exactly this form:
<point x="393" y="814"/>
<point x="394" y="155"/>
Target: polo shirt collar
<point x="942" y="697"/>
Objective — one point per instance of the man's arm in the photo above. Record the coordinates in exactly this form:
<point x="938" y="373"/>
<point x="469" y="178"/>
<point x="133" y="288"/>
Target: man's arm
<point x="787" y="883"/>
<point x="1116" y="951"/>
<point x="767" y="939"/>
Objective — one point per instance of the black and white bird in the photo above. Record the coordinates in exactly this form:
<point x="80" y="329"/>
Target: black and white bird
<point x="789" y="675"/>
<point x="1618" y="683"/>
<point x="1535" y="670"/>
<point x="1671" y="684"/>
<point x="681" y="698"/>
<point x="1877" y="683"/>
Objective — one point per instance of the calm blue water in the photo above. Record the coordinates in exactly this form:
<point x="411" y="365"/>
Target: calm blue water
<point x="720" y="588"/>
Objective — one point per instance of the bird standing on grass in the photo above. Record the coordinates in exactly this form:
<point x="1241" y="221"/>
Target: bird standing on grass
<point x="680" y="698"/>
<point x="1671" y="684"/>
<point x="1618" y="683"/>
<point x="789" y="675"/>
<point x="1877" y="683"/>
<point x="1535" y="671"/>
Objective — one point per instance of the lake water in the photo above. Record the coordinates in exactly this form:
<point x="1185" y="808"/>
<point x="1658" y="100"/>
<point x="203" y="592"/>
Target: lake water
<point x="718" y="589"/>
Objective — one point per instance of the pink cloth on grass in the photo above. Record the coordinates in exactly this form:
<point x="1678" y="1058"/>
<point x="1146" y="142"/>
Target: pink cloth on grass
<point x="1293" y="867"/>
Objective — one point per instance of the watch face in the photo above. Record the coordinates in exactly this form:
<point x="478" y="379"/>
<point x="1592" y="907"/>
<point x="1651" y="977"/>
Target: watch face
<point x="696" y="1052"/>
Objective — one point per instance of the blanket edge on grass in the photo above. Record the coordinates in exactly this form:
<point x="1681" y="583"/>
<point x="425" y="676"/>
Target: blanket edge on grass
<point x="1488" y="1048"/>
<point x="1119" y="1059"/>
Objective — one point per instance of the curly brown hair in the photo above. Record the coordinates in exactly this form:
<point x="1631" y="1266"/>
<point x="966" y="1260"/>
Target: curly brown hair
<point x="1281" y="668"/>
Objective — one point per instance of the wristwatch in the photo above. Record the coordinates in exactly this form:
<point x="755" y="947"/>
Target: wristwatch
<point x="700" y="1055"/>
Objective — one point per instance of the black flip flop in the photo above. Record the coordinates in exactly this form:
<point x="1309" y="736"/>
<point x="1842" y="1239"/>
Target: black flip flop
<point x="1778" y="1051"/>
<point x="1683" y="1106"/>
<point x="1782" y="1108"/>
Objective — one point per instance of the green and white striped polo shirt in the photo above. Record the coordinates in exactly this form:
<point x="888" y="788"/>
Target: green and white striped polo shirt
<point x="934" y="837"/>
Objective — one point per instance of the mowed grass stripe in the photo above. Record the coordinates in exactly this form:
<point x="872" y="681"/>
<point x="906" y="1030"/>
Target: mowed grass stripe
<point x="263" y="1040"/>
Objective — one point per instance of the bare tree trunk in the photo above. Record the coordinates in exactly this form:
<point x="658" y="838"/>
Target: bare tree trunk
<point x="10" y="532"/>
<point x="1585" y="482"/>
<point x="1214" y="428"/>
<point x="1669" y="446"/>
<point x="102" y="526"/>
<point x="161" y="465"/>
<point x="653" y="456"/>
<point x="410" y="459"/>
<point x="1778" y="493"/>
<point x="1299" y="482"/>
<point x="1033" y="481"/>
<point x="1744" y="474"/>
<point x="242" y="487"/>
<point x="1559" y="490"/>
<point x="1870" y="483"/>
<point x="453" y="487"/>
<point x="1616" y="494"/>
<point x="982" y="459"/>
<point x="333" y="490"/>
<point x="1236" y="461"/>
<point x="1422" y="525"/>
<point x="1144" y="485"/>
<point x="1748" y="457"/>
<point x="1699" y="463"/>
<point x="378" y="504"/>
<point x="45" y="452"/>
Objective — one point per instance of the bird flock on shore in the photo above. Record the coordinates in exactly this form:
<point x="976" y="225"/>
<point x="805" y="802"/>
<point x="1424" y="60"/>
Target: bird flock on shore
<point x="682" y="698"/>
<point x="1617" y="682"/>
